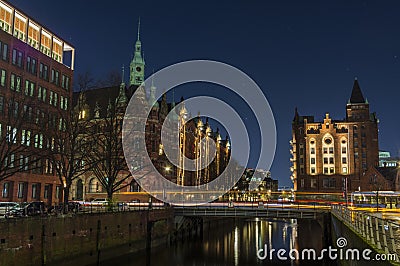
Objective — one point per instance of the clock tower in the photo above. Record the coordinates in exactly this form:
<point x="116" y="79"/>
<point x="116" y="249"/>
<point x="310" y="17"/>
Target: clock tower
<point x="137" y="63"/>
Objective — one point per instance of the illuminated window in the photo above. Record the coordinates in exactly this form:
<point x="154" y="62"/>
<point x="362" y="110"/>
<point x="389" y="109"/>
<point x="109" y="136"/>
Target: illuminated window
<point x="15" y="83"/>
<point x="19" y="26"/>
<point x="45" y="43"/>
<point x="3" y="75"/>
<point x="33" y="35"/>
<point x="82" y="114"/>
<point x="29" y="88"/>
<point x="5" y="17"/>
<point x="51" y="98"/>
<point x="65" y="82"/>
<point x="344" y="170"/>
<point x="57" y="50"/>
<point x="42" y="93"/>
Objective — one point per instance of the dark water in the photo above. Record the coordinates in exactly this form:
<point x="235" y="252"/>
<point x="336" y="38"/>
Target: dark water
<point x="236" y="242"/>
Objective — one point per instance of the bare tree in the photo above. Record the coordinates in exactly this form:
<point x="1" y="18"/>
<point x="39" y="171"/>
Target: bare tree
<point x="19" y="149"/>
<point x="85" y="81"/>
<point x="70" y="148"/>
<point x="107" y="157"/>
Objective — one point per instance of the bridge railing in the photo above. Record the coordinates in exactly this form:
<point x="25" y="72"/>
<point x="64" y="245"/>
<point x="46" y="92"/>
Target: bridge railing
<point x="379" y="233"/>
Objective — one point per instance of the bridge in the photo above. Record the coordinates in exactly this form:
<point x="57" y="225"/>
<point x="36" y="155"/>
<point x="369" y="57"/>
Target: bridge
<point x="381" y="235"/>
<point x="284" y="211"/>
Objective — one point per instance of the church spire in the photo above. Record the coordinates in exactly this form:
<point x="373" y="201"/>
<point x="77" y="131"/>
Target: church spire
<point x="122" y="100"/>
<point x="123" y="76"/>
<point x="137" y="63"/>
<point x="138" y="30"/>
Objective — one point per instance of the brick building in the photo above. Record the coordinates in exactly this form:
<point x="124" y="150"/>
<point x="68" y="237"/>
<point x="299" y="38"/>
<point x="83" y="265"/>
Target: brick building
<point x="92" y="105"/>
<point x="333" y="155"/>
<point x="36" y="68"/>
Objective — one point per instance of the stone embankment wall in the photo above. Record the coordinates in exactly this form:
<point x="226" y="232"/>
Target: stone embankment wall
<point x="80" y="239"/>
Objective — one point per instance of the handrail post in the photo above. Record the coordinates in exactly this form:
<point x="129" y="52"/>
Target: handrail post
<point x="393" y="244"/>
<point x="378" y="242"/>
<point x="371" y="231"/>
<point x="366" y="229"/>
<point x="385" y="246"/>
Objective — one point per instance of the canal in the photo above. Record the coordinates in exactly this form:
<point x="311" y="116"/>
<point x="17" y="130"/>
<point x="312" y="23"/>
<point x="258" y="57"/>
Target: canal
<point x="236" y="242"/>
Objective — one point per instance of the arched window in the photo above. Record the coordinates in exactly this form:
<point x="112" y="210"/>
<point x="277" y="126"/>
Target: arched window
<point x="93" y="185"/>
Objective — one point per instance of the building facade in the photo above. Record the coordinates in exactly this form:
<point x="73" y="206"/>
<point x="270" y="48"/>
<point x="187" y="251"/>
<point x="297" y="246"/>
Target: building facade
<point x="333" y="155"/>
<point x="93" y="104"/>
<point x="36" y="68"/>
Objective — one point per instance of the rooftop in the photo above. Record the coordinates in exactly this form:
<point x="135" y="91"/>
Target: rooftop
<point x="26" y="29"/>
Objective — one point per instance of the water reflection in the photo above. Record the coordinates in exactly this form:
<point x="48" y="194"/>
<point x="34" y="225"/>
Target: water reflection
<point x="236" y="242"/>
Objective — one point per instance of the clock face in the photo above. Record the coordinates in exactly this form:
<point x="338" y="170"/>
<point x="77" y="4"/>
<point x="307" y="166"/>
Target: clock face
<point x="138" y="69"/>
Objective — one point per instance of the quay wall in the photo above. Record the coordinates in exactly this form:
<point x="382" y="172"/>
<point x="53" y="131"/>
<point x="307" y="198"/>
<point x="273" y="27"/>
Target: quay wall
<point x="81" y="239"/>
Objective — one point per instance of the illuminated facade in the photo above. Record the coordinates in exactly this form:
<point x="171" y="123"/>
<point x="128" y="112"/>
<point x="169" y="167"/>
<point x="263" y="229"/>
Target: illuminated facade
<point x="333" y="155"/>
<point x="27" y="30"/>
<point x="92" y="105"/>
<point x="36" y="69"/>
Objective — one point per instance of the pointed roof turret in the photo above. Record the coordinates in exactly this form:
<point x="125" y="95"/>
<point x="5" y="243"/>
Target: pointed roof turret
<point x="356" y="94"/>
<point x="152" y="98"/>
<point x="138" y="30"/>
<point x="122" y="100"/>
<point x="296" y="115"/>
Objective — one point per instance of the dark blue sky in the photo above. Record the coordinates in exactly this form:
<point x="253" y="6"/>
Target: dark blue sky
<point x="301" y="53"/>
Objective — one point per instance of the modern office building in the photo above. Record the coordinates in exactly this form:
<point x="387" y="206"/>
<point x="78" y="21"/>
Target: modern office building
<point x="36" y="69"/>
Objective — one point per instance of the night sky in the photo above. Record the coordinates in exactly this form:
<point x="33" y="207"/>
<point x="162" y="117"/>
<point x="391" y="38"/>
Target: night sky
<point x="301" y="53"/>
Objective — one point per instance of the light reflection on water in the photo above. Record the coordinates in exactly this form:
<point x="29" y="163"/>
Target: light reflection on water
<point x="235" y="242"/>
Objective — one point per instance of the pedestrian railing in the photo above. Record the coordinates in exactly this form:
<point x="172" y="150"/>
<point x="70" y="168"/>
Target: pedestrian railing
<point x="378" y="232"/>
